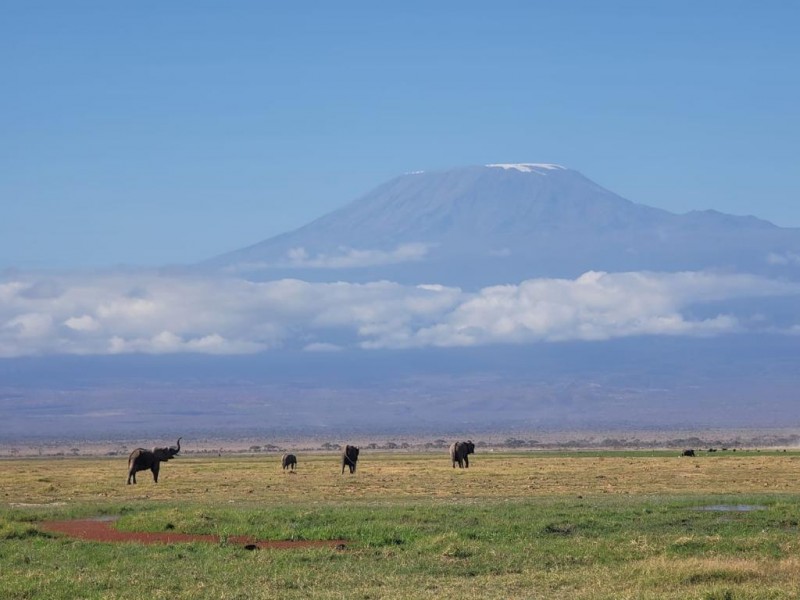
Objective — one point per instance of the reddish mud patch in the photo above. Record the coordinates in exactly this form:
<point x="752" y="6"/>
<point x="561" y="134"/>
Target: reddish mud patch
<point x="103" y="530"/>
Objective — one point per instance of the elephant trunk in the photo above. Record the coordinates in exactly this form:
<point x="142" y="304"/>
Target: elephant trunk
<point x="179" y="444"/>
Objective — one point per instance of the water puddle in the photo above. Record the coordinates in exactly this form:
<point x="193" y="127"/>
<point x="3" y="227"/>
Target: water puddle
<point x="732" y="507"/>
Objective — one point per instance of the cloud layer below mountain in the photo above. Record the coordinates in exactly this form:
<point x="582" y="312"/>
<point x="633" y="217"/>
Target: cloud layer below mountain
<point x="157" y="313"/>
<point x="343" y="258"/>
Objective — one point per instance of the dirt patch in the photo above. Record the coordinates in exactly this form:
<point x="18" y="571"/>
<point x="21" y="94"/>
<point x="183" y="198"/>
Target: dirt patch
<point x="103" y="530"/>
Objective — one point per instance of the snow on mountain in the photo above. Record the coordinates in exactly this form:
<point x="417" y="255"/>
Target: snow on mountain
<point x="529" y="167"/>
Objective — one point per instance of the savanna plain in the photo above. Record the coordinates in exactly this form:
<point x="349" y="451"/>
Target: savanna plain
<point x="594" y="524"/>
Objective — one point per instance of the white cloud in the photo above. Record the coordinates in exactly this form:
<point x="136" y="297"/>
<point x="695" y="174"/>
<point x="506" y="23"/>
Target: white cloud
<point x="145" y="312"/>
<point x="30" y="325"/>
<point x="596" y="306"/>
<point x="344" y="258"/>
<point x="786" y="258"/>
<point x="83" y="323"/>
<point x="323" y="347"/>
<point x="352" y="258"/>
<point x="167" y="342"/>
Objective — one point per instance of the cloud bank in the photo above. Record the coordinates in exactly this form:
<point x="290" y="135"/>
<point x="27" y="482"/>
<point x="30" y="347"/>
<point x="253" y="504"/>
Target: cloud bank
<point x="149" y="312"/>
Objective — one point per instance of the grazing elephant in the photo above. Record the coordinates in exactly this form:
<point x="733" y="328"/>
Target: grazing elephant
<point x="288" y="461"/>
<point x="687" y="453"/>
<point x="350" y="458"/>
<point x="142" y="460"/>
<point x="459" y="453"/>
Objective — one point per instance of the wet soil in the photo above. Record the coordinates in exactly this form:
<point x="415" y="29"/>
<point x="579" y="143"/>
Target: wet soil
<point x="103" y="530"/>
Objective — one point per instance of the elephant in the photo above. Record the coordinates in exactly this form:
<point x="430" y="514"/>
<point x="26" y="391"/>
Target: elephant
<point x="288" y="461"/>
<point x="350" y="458"/>
<point x="689" y="452"/>
<point x="459" y="453"/>
<point x="142" y="460"/>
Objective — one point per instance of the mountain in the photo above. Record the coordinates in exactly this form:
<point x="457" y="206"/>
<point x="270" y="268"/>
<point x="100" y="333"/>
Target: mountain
<point x="482" y="225"/>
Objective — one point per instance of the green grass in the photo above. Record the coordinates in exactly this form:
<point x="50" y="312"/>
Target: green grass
<point x="487" y="532"/>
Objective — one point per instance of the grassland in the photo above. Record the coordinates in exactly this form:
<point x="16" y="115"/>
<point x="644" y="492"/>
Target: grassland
<point x="515" y="525"/>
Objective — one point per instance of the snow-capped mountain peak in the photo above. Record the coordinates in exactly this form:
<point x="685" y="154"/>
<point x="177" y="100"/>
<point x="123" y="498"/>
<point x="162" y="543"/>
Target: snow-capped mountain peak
<point x="491" y="224"/>
<point x="528" y="167"/>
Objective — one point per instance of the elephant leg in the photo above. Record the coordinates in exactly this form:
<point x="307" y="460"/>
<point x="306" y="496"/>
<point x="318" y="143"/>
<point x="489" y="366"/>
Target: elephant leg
<point x="154" y="469"/>
<point x="466" y="462"/>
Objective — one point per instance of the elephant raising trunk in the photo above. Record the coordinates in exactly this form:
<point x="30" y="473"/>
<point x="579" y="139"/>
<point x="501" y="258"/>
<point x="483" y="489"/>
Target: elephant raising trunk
<point x="459" y="453"/>
<point x="142" y="460"/>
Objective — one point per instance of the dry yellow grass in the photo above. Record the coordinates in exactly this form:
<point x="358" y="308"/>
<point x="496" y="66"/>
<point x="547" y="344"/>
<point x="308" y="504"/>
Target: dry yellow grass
<point x="385" y="476"/>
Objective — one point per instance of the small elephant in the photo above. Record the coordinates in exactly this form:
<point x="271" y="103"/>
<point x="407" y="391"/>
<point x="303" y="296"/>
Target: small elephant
<point x="350" y="458"/>
<point x="142" y="460"/>
<point x="689" y="452"/>
<point x="288" y="461"/>
<point x="459" y="453"/>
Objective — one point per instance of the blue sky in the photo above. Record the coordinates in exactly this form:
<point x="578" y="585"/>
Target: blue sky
<point x="156" y="133"/>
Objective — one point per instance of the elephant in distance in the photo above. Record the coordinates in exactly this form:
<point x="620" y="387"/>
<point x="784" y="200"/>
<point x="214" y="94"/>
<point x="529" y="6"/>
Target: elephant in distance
<point x="288" y="461"/>
<point x="142" y="460"/>
<point x="350" y="458"/>
<point x="459" y="453"/>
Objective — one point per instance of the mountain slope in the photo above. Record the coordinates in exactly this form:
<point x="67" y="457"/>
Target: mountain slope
<point x="481" y="225"/>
